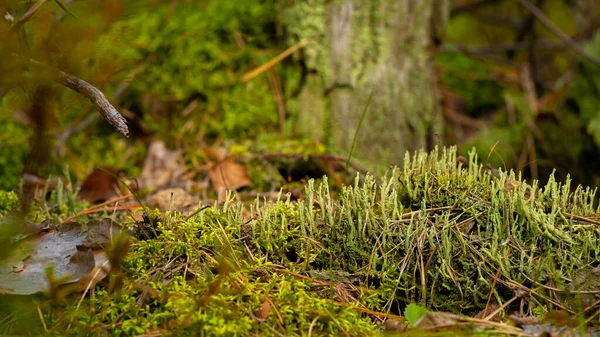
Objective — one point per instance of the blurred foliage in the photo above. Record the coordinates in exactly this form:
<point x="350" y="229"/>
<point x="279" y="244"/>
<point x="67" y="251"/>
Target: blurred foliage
<point x="585" y="91"/>
<point x="13" y="150"/>
<point x="159" y="60"/>
<point x="8" y="200"/>
<point x="472" y="80"/>
<point x="176" y="69"/>
<point x="492" y="54"/>
<point x="200" y="52"/>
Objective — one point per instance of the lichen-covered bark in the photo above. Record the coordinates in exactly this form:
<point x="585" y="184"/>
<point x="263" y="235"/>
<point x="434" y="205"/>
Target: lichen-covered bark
<point x="359" y="47"/>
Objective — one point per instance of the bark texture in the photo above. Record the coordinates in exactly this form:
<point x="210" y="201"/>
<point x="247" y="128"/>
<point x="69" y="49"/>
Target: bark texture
<point x="359" y="47"/>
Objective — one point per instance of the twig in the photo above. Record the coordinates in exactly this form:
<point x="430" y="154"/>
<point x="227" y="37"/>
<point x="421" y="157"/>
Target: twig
<point x="566" y="39"/>
<point x="196" y="212"/>
<point x="87" y="90"/>
<point x="582" y="219"/>
<point x="100" y="210"/>
<point x="72" y="129"/>
<point x="410" y="214"/>
<point x="30" y="12"/>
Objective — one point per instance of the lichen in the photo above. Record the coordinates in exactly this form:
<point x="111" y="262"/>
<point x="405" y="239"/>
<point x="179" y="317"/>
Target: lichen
<point x="434" y="232"/>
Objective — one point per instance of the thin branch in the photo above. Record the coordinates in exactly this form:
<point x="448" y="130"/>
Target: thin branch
<point x="96" y="96"/>
<point x="566" y="39"/>
<point x="28" y="14"/>
<point x="70" y="130"/>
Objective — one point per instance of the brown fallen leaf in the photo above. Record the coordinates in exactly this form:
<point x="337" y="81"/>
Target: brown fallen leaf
<point x="101" y="266"/>
<point x="561" y="318"/>
<point x="439" y="321"/>
<point x="100" y="186"/>
<point x="228" y="175"/>
<point x="488" y="310"/>
<point x="163" y="168"/>
<point x="68" y="249"/>
<point x="393" y="325"/>
<point x="172" y="199"/>
<point x="263" y="312"/>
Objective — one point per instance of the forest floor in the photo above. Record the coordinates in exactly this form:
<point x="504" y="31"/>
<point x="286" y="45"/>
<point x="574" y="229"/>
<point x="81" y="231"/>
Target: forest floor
<point x="442" y="246"/>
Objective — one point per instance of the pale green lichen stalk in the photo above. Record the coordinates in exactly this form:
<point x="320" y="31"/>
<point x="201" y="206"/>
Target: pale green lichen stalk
<point x="431" y="232"/>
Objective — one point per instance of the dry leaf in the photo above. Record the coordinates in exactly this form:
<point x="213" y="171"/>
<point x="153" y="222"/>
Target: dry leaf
<point x="263" y="313"/>
<point x="97" y="274"/>
<point x="163" y="168"/>
<point x="172" y="199"/>
<point x="437" y="320"/>
<point x="100" y="186"/>
<point x="228" y="175"/>
<point x="391" y="324"/>
<point x="68" y="249"/>
<point x="488" y="310"/>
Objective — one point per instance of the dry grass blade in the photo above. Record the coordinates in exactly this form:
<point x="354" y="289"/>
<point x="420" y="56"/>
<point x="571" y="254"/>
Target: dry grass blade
<point x="252" y="74"/>
<point x="102" y="207"/>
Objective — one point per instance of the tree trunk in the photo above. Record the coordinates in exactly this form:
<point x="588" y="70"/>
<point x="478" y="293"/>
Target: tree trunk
<point x="359" y="47"/>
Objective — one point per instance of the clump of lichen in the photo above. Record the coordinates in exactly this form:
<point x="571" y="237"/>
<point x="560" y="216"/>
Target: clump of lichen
<point x="435" y="232"/>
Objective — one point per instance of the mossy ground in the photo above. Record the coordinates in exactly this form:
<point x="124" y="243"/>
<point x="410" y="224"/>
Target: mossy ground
<point x="435" y="232"/>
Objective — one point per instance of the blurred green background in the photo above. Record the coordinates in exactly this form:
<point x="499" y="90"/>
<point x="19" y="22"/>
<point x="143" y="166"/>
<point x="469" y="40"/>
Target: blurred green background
<point x="507" y="85"/>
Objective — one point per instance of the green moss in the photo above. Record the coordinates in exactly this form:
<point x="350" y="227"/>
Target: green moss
<point x="8" y="200"/>
<point x="200" y="51"/>
<point x="431" y="232"/>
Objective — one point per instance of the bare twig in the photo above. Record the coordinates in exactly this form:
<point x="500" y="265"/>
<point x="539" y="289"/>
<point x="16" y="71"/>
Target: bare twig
<point x="28" y="14"/>
<point x="71" y="129"/>
<point x="566" y="39"/>
<point x="96" y="96"/>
